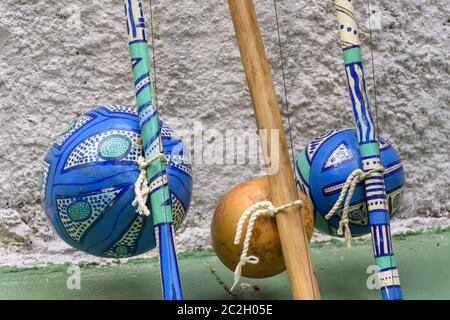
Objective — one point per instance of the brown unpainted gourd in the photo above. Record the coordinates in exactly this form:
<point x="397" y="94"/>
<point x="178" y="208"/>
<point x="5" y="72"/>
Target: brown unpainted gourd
<point x="265" y="241"/>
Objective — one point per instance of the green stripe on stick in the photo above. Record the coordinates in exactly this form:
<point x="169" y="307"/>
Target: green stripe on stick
<point x="369" y="149"/>
<point x="352" y="55"/>
<point x="385" y="262"/>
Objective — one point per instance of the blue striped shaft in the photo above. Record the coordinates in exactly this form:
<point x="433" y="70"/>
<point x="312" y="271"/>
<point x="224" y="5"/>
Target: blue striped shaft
<point x="369" y="150"/>
<point x="160" y="201"/>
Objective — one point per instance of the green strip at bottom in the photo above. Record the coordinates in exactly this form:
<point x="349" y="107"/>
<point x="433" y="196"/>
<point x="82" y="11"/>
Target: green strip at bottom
<point x="423" y="262"/>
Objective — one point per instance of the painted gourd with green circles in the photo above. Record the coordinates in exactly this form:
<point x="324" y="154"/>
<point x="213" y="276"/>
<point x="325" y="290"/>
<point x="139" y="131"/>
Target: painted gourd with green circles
<point x="87" y="183"/>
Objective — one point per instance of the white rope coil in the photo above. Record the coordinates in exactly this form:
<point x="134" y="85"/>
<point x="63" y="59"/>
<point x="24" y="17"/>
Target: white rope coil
<point x="255" y="211"/>
<point x="141" y="188"/>
<point x="350" y="184"/>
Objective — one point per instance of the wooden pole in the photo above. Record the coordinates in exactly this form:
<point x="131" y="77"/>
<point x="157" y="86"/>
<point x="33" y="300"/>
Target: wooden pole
<point x="265" y="104"/>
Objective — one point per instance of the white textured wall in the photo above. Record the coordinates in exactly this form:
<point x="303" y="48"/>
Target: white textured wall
<point x="53" y="68"/>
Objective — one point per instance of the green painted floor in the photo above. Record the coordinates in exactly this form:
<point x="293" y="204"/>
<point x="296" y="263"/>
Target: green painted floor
<point x="423" y="259"/>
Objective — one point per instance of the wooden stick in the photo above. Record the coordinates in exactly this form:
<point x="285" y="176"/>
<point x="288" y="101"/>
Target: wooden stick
<point x="265" y="104"/>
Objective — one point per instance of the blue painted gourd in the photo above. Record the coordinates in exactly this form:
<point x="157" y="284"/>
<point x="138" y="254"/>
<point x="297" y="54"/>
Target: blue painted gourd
<point x="322" y="168"/>
<point x="88" y="177"/>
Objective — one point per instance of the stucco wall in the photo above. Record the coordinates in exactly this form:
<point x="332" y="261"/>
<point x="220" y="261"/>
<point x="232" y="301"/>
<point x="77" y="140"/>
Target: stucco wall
<point x="61" y="58"/>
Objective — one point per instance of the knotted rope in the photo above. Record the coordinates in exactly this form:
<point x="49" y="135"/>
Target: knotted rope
<point x="255" y="211"/>
<point x="141" y="188"/>
<point x="350" y="184"/>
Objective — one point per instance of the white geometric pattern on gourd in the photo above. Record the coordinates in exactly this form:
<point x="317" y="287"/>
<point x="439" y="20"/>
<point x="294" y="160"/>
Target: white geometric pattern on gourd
<point x="178" y="213"/>
<point x="121" y="109"/>
<point x="88" y="151"/>
<point x="80" y="122"/>
<point x="314" y="145"/>
<point x="383" y="144"/>
<point x="99" y="202"/>
<point x="393" y="168"/>
<point x="44" y="176"/>
<point x="358" y="207"/>
<point x="340" y="155"/>
<point x="179" y="162"/>
<point x="395" y="198"/>
<point x="337" y="187"/>
<point x="165" y="131"/>
<point x="129" y="239"/>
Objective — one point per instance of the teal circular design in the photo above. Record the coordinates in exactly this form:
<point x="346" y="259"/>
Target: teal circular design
<point x="79" y="211"/>
<point x="114" y="147"/>
<point x="121" y="250"/>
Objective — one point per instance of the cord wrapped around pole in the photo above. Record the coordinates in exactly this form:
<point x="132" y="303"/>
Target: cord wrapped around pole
<point x="353" y="179"/>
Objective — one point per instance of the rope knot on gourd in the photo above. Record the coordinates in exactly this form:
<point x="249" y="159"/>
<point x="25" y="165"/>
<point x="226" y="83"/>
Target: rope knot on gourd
<point x="353" y="179"/>
<point x="262" y="208"/>
<point x="141" y="187"/>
